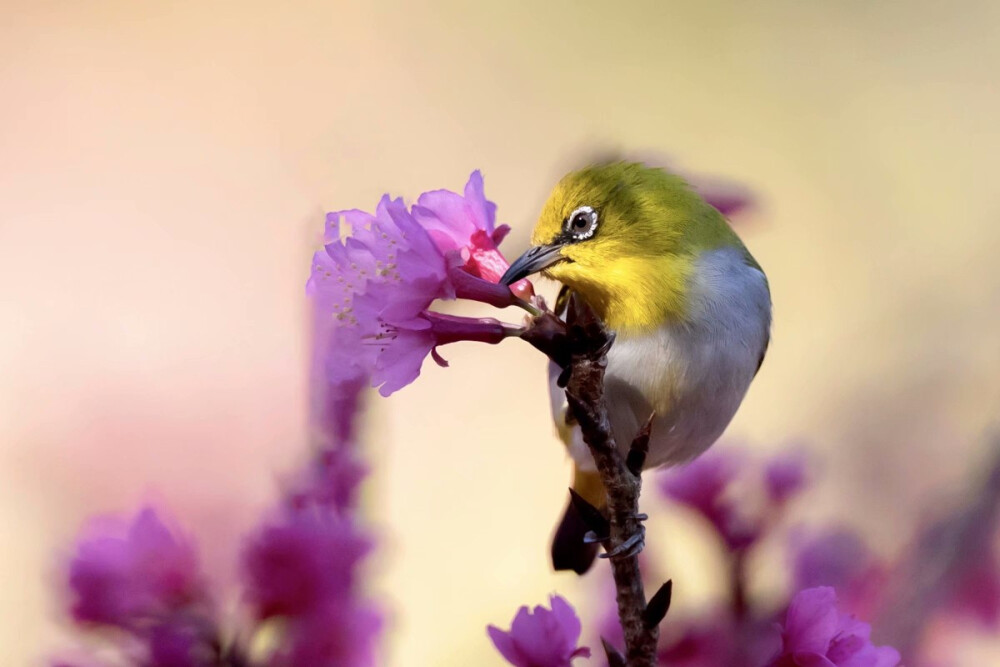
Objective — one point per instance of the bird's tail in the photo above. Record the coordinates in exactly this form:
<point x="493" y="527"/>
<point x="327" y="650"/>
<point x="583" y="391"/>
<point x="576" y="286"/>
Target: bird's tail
<point x="569" y="551"/>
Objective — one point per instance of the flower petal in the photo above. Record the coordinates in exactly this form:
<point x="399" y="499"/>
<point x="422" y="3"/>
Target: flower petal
<point x="811" y="622"/>
<point x="566" y="617"/>
<point x="508" y="648"/>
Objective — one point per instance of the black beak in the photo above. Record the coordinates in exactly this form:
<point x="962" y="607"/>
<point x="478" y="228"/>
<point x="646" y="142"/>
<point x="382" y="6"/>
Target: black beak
<point x="533" y="261"/>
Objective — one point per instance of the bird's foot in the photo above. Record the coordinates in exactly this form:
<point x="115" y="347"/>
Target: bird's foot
<point x="630" y="547"/>
<point x="590" y="537"/>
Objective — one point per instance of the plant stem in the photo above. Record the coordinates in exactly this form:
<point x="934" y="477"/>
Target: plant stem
<point x="589" y="342"/>
<point x="528" y="306"/>
<point x="739" y="585"/>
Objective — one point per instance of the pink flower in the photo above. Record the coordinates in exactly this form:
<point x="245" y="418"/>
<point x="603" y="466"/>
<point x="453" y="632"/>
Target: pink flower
<point x="378" y="274"/>
<point x="331" y="482"/>
<point x="702" y="484"/>
<point x="837" y="557"/>
<point x="179" y="644"/>
<point x="541" y="638"/>
<point x="785" y="476"/>
<point x="303" y="562"/>
<point x="705" y="485"/>
<point x="698" y="645"/>
<point x="715" y="486"/>
<point x="388" y="254"/>
<point x="125" y="574"/>
<point x="816" y="634"/>
<point x="976" y="594"/>
<point x="399" y="346"/>
<point x="467" y="225"/>
<point x="334" y="406"/>
<point x="338" y="636"/>
<point x="716" y="639"/>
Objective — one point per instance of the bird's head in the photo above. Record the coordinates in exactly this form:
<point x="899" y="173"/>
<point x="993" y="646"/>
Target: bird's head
<point x="626" y="237"/>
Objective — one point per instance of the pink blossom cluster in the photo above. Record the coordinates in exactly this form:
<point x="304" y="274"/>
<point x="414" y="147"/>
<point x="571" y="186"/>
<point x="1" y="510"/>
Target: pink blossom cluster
<point x="377" y="275"/>
<point x="834" y="577"/>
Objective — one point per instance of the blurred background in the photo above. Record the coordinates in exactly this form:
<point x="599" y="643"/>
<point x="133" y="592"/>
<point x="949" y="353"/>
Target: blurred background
<point x="164" y="171"/>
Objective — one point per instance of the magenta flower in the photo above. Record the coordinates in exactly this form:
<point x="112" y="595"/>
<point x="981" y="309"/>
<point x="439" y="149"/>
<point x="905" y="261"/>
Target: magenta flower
<point x="339" y="636"/>
<point x="785" y="476"/>
<point x="702" y="484"/>
<point x="716" y="639"/>
<point x="125" y="574"/>
<point x="388" y="253"/>
<point x="976" y="594"/>
<point x="378" y="274"/>
<point x="403" y="346"/>
<point x="705" y="485"/>
<point x="392" y="350"/>
<point x="330" y="483"/>
<point x="334" y="406"/>
<point x="837" y="557"/>
<point x="179" y="644"/>
<point x="541" y="638"/>
<point x="709" y="644"/>
<point x="302" y="562"/>
<point x="467" y="225"/>
<point x="740" y="497"/>
<point x="816" y="634"/>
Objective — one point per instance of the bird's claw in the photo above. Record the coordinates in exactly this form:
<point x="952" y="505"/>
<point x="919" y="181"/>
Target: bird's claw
<point x="630" y="547"/>
<point x="590" y="537"/>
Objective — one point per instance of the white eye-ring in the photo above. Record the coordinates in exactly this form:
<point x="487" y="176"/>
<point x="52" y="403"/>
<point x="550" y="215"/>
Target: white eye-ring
<point x="582" y="223"/>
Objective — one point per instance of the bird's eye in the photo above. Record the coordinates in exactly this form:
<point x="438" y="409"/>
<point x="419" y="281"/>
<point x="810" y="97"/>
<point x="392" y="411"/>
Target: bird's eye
<point x="582" y="223"/>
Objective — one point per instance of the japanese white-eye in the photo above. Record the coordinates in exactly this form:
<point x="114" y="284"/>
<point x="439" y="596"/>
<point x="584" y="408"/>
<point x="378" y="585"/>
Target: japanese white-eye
<point x="689" y="305"/>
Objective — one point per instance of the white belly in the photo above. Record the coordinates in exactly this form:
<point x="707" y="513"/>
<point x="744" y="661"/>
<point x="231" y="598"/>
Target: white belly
<point x="692" y="375"/>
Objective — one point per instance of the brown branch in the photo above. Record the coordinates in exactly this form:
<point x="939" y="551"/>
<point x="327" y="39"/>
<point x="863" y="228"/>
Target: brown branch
<point x="582" y="347"/>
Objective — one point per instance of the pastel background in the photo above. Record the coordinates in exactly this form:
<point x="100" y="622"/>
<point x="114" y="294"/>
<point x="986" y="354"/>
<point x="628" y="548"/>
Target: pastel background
<point x="164" y="167"/>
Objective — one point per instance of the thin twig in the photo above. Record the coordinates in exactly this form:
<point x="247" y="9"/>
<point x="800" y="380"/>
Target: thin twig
<point x="587" y="342"/>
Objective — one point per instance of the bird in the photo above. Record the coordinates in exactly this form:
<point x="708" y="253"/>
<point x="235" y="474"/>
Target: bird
<point x="689" y="307"/>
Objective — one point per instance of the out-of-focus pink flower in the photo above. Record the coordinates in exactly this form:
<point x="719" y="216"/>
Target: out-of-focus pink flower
<point x="739" y="496"/>
<point x="976" y="594"/>
<point x="728" y="197"/>
<point x="302" y="562"/>
<point x="338" y="636"/>
<point x="180" y="644"/>
<point x="708" y="643"/>
<point x="337" y="472"/>
<point x="123" y="574"/>
<point x="785" y="476"/>
<point x="542" y="637"/>
<point x="716" y="639"/>
<point x="331" y="482"/>
<point x="704" y="486"/>
<point x="467" y="225"/>
<point x="817" y="634"/>
<point x="838" y="558"/>
<point x="335" y="405"/>
<point x="701" y="484"/>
